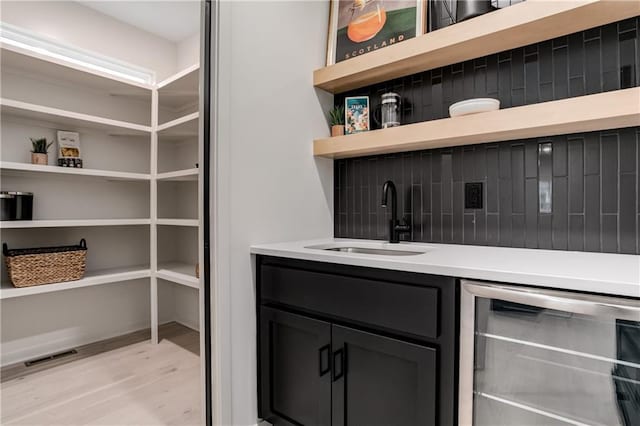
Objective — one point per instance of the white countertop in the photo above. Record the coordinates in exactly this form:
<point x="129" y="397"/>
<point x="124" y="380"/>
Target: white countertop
<point x="616" y="274"/>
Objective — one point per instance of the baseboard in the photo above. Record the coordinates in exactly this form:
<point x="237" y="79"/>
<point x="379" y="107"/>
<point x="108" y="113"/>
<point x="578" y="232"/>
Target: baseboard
<point x="187" y="323"/>
<point x="61" y="341"/>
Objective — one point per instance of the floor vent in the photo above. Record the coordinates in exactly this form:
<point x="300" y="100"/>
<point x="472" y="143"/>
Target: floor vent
<point x="51" y="357"/>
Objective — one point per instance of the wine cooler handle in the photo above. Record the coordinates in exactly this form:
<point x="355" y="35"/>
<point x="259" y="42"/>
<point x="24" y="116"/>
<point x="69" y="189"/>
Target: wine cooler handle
<point x="577" y="303"/>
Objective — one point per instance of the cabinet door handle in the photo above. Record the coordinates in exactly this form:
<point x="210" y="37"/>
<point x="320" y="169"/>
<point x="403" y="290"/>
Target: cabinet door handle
<point x="338" y="355"/>
<point x="324" y="359"/>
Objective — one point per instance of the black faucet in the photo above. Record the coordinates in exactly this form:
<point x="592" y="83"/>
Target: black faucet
<point x="395" y="227"/>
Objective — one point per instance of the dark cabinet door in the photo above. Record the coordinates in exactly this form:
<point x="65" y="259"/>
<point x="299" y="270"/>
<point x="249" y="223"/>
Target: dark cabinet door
<point x="295" y="369"/>
<point x="381" y="381"/>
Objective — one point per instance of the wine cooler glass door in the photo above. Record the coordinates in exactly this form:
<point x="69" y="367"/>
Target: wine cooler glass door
<point x="531" y="356"/>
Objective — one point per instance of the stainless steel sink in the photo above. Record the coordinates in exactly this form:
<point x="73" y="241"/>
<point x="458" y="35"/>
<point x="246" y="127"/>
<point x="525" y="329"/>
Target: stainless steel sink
<point x="375" y="249"/>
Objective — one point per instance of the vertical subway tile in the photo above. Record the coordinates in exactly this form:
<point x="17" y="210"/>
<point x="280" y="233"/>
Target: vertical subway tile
<point x="593" y="80"/>
<point x="627" y="150"/>
<point x="469" y="229"/>
<point x="610" y="233"/>
<point x="416" y="213"/>
<point x="592" y="153"/>
<point x="457" y="164"/>
<point x="517" y="68"/>
<point x="609" y="52"/>
<point x="560" y="73"/>
<point x="531" y="79"/>
<point x="447" y="228"/>
<point x="627" y="215"/>
<point x="468" y="167"/>
<point x="480" y="162"/>
<point x="492" y="75"/>
<point x="505" y="209"/>
<point x="560" y="213"/>
<point x="447" y="183"/>
<point x="531" y="159"/>
<point x="627" y="43"/>
<point x="518" y="230"/>
<point x="480" y="83"/>
<point x="609" y="167"/>
<point x="592" y="213"/>
<point x="560" y="156"/>
<point x="576" y="232"/>
<point x="545" y="62"/>
<point x="504" y="152"/>
<point x="468" y="85"/>
<point x="531" y="213"/>
<point x="492" y="179"/>
<point x="480" y="237"/>
<point x="493" y="230"/>
<point x="576" y="175"/>
<point x="517" y="178"/>
<point x="504" y="84"/>
<point x="436" y="212"/>
<point x="544" y="231"/>
<point x="458" y="212"/>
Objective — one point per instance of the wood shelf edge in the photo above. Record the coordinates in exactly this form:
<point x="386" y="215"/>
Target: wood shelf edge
<point x="609" y="110"/>
<point x="524" y="23"/>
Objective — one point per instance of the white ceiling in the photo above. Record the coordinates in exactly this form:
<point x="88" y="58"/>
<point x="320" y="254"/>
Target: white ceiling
<point x="171" y="20"/>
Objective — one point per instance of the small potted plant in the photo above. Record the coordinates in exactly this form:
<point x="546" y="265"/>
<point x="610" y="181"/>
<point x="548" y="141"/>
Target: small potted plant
<point x="39" y="151"/>
<point x="336" y="120"/>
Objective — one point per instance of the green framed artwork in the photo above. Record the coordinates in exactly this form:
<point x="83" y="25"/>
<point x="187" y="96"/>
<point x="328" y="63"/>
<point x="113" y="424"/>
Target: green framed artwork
<point x="357" y="27"/>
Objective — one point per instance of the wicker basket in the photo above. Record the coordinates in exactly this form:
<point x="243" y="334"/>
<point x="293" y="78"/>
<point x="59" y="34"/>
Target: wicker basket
<point x="47" y="265"/>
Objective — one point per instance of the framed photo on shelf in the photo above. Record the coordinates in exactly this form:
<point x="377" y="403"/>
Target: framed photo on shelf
<point x="357" y="27"/>
<point x="356" y="112"/>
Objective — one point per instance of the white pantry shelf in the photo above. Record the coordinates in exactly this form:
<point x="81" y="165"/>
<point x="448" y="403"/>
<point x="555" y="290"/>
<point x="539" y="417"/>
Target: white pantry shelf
<point x="180" y="90"/>
<point x="51" y="68"/>
<point x="19" y="168"/>
<point x="179" y="175"/>
<point x="178" y="222"/>
<point x="179" y="273"/>
<point x="91" y="278"/>
<point x="71" y="223"/>
<point x="184" y="126"/>
<point x="70" y="120"/>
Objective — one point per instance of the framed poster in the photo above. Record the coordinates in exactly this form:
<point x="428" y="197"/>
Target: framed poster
<point x="357" y="27"/>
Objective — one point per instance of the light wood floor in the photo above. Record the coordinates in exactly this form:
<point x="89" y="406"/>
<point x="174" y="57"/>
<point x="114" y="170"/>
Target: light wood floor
<point x="137" y="384"/>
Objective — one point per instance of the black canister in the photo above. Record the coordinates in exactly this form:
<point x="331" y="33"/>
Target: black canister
<point x="466" y="9"/>
<point x="8" y="205"/>
<point x="24" y="205"/>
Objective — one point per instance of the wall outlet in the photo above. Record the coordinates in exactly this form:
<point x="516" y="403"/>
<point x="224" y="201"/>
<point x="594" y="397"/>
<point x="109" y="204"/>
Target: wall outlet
<point x="473" y="195"/>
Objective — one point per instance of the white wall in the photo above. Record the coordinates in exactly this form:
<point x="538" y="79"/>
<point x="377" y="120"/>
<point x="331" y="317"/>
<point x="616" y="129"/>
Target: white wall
<point x="83" y="27"/>
<point x="270" y="186"/>
<point x="188" y="51"/>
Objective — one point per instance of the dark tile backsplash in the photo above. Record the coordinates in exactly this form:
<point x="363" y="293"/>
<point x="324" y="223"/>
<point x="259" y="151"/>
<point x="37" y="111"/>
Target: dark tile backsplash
<point x="594" y="203"/>
<point x="593" y="61"/>
<point x="595" y="176"/>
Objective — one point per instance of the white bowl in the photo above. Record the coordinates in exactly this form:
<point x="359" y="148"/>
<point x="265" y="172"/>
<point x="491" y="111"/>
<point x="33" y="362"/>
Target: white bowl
<point x="473" y="106"/>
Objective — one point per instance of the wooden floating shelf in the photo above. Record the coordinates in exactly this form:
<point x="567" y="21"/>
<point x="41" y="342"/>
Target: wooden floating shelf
<point x="70" y="120"/>
<point x="19" y="168"/>
<point x="515" y="26"/>
<point x="71" y="223"/>
<point x="178" y="222"/>
<point x="610" y="110"/>
<point x="179" y="175"/>
<point x="179" y="273"/>
<point x="91" y="278"/>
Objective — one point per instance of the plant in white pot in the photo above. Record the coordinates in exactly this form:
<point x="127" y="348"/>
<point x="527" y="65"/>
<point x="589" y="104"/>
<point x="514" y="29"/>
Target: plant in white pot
<point x="39" y="151"/>
<point x="336" y="120"/>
